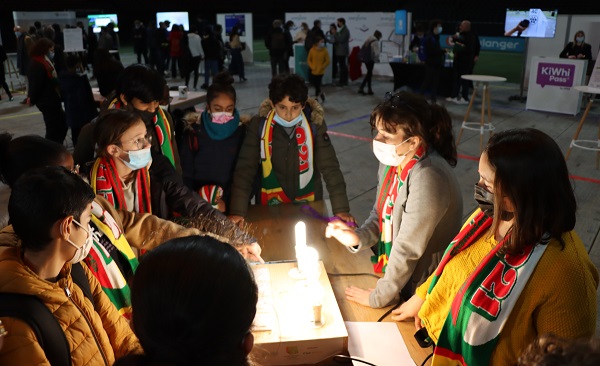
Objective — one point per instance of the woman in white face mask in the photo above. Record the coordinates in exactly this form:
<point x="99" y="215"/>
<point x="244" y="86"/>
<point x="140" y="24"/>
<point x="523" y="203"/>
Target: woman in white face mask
<point x="578" y="49"/>
<point x="51" y="210"/>
<point x="418" y="206"/>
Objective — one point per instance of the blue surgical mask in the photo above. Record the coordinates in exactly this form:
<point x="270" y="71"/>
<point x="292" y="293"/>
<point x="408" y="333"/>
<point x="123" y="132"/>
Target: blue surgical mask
<point x="138" y="159"/>
<point x="51" y="55"/>
<point x="282" y="122"/>
<point x="17" y="34"/>
<point x="439" y="29"/>
<point x="580" y="39"/>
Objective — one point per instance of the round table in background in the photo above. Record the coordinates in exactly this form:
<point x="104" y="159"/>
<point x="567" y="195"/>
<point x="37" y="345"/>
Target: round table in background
<point x="480" y="126"/>
<point x="574" y="141"/>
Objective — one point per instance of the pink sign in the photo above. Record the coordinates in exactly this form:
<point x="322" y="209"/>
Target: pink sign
<point x="555" y="74"/>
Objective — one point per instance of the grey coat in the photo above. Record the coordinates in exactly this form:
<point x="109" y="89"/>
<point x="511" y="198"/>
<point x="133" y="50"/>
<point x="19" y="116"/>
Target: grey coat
<point x="427" y="215"/>
<point x="341" y="44"/>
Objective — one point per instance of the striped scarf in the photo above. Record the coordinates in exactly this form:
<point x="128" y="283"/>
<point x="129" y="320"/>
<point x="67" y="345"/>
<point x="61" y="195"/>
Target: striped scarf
<point x="484" y="302"/>
<point x="211" y="193"/>
<point x="271" y="191"/>
<point x="161" y="127"/>
<point x="392" y="182"/>
<point x="109" y="241"/>
<point x="106" y="182"/>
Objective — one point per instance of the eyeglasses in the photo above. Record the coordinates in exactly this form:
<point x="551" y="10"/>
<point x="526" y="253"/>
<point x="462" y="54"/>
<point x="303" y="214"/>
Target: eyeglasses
<point x="140" y="142"/>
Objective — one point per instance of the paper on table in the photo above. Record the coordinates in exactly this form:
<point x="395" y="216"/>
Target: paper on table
<point x="378" y="343"/>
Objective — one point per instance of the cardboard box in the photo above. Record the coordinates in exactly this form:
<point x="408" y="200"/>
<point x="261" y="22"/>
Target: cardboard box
<point x="285" y="331"/>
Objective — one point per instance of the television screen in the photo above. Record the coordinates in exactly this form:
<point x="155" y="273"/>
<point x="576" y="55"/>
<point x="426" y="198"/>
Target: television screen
<point x="231" y="20"/>
<point x="101" y="20"/>
<point x="175" y="17"/>
<point x="536" y="23"/>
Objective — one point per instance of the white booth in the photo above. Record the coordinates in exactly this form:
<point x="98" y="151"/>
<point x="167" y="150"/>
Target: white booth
<point x="551" y="84"/>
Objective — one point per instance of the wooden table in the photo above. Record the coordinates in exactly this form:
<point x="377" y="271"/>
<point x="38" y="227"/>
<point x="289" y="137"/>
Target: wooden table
<point x="273" y="226"/>
<point x="480" y="126"/>
<point x="592" y="145"/>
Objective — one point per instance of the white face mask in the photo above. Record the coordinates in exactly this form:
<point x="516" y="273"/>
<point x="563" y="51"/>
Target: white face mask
<point x="387" y="155"/>
<point x="82" y="251"/>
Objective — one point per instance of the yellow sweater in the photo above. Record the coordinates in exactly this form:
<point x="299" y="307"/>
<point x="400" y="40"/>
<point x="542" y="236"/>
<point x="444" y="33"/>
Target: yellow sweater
<point x="560" y="297"/>
<point x="318" y="60"/>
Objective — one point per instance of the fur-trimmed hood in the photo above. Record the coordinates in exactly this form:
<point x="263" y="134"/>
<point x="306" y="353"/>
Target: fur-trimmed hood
<point x="317" y="115"/>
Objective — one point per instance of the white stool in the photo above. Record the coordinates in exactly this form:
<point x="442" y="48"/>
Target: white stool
<point x="480" y="126"/>
<point x="574" y="141"/>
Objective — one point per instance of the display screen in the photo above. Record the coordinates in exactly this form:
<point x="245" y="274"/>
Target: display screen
<point x="175" y="17"/>
<point x="101" y="20"/>
<point x="231" y="20"/>
<point x="534" y="23"/>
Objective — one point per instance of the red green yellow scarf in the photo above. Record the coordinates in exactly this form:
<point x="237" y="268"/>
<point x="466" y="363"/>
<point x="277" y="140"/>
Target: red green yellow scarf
<point x="106" y="182"/>
<point x="271" y="191"/>
<point x="161" y="127"/>
<point x="107" y="233"/>
<point x="388" y="192"/>
<point x="483" y="304"/>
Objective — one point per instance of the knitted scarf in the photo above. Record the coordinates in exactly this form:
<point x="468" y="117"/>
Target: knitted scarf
<point x="484" y="302"/>
<point x="106" y="182"/>
<point x="50" y="71"/>
<point x="211" y="193"/>
<point x="271" y="191"/>
<point x="220" y="131"/>
<point x="108" y="238"/>
<point x="161" y="127"/>
<point x="392" y="182"/>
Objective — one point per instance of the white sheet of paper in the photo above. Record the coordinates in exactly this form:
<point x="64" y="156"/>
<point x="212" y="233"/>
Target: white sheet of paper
<point x="378" y="343"/>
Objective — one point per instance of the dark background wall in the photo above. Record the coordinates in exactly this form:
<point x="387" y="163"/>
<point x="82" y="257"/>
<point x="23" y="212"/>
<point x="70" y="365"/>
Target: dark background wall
<point x="487" y="15"/>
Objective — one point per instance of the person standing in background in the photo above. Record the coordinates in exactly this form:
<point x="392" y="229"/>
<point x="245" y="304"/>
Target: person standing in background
<point x="289" y="41"/>
<point x="318" y="60"/>
<point x="300" y="36"/>
<point x="330" y="38"/>
<point x="139" y="41"/>
<point x="275" y="43"/>
<point x="44" y="90"/>
<point x="219" y="37"/>
<point x="163" y="38"/>
<point x="578" y="49"/>
<point x="466" y="51"/>
<point x="2" y="77"/>
<point x="342" y="50"/>
<point x="211" y="47"/>
<point x="236" y="67"/>
<point x="310" y="36"/>
<point x="175" y="49"/>
<point x="434" y="59"/>
<point x="371" y="43"/>
<point x="195" y="45"/>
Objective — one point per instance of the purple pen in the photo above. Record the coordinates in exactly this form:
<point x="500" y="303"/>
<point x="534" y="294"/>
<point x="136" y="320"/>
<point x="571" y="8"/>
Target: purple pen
<point x="313" y="213"/>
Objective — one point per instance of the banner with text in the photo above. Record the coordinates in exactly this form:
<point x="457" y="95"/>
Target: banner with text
<point x="551" y="84"/>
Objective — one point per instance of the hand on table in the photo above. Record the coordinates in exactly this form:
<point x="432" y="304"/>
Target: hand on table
<point x="342" y="232"/>
<point x="236" y="219"/>
<point x="251" y="252"/>
<point x="409" y="309"/>
<point x="358" y="295"/>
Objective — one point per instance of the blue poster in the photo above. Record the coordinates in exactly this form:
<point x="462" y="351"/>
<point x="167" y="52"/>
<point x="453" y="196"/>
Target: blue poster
<point x="401" y="22"/>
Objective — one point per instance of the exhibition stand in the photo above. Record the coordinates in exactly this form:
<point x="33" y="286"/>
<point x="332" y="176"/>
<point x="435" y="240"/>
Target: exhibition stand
<point x="551" y="84"/>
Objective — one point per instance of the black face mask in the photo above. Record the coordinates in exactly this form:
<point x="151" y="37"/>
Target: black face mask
<point x="485" y="199"/>
<point x="147" y="117"/>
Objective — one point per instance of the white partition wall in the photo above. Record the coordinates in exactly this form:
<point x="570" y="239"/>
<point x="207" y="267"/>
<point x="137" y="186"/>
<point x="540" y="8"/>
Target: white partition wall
<point x="361" y="26"/>
<point x="247" y="37"/>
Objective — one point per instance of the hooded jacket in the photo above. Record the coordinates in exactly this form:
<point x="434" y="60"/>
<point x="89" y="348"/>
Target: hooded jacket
<point x="96" y="333"/>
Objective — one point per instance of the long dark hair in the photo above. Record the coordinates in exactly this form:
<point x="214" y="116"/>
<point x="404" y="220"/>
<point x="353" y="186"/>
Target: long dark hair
<point x="416" y="117"/>
<point x="531" y="172"/>
<point x="194" y="300"/>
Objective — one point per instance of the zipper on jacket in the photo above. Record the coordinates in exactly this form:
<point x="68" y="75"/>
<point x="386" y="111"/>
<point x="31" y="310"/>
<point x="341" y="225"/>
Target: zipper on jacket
<point x="89" y="323"/>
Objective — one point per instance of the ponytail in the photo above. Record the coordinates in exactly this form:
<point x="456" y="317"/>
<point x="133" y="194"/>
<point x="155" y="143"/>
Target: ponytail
<point x="440" y="134"/>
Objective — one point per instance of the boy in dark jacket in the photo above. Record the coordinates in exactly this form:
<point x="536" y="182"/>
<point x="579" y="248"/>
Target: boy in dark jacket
<point x="287" y="143"/>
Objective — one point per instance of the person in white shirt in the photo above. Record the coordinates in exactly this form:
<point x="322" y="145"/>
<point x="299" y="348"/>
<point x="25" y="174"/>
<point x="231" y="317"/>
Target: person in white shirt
<point x="195" y="45"/>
